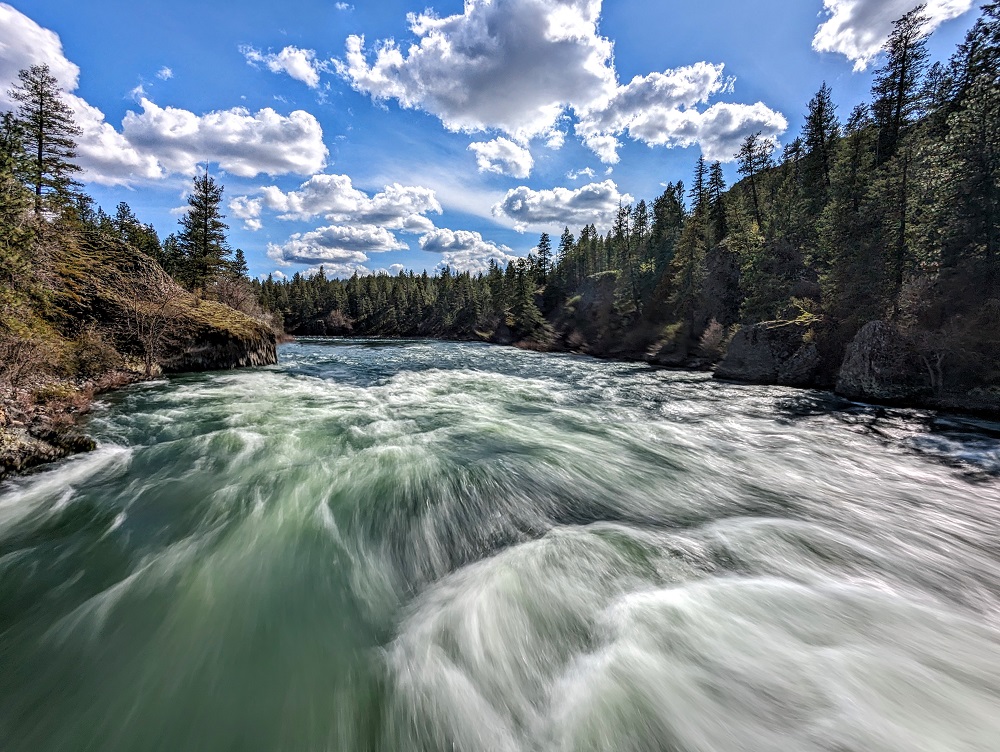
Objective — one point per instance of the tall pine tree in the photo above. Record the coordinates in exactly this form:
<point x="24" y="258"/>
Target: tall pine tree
<point x="202" y="239"/>
<point x="49" y="135"/>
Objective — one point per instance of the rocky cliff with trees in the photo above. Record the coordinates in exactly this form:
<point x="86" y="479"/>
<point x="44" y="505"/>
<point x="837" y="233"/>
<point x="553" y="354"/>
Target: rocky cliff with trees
<point x="85" y="301"/>
<point x="865" y="257"/>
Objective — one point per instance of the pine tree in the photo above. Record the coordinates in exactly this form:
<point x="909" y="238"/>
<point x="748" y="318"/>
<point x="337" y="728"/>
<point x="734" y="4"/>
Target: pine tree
<point x="544" y="256"/>
<point x="716" y="203"/>
<point x="238" y="266"/>
<point x="49" y="135"/>
<point x="202" y="239"/>
<point x="967" y="182"/>
<point x="820" y="135"/>
<point x="897" y="85"/>
<point x="16" y="232"/>
<point x="754" y="157"/>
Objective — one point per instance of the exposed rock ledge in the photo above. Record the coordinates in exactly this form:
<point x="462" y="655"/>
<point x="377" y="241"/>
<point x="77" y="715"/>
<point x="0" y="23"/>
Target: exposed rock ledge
<point x="223" y="349"/>
<point x="763" y="354"/>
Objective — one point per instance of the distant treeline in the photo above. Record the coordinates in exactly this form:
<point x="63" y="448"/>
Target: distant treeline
<point x="892" y="214"/>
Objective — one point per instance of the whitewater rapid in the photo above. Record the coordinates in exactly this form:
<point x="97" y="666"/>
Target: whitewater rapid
<point x="433" y="546"/>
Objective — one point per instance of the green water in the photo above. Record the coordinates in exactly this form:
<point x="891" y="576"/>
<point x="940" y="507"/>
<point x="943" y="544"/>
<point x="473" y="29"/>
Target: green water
<point x="429" y="546"/>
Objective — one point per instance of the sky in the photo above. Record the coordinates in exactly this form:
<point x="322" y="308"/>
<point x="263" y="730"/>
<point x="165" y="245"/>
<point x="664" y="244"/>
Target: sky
<point x="373" y="136"/>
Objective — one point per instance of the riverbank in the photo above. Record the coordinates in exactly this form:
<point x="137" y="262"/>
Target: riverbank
<point x="40" y="424"/>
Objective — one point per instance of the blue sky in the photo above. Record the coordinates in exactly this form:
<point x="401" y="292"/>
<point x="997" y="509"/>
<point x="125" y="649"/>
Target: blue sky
<point x="452" y="133"/>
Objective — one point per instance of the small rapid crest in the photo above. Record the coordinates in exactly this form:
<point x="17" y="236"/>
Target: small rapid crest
<point x="429" y="546"/>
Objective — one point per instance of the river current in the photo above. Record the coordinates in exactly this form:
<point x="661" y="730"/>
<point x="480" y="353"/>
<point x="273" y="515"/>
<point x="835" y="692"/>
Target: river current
<point x="396" y="546"/>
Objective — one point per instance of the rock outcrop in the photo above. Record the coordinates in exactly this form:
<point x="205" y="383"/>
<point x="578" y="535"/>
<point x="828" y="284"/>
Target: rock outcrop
<point x="24" y="448"/>
<point x="881" y="365"/>
<point x="763" y="354"/>
<point x="215" y="340"/>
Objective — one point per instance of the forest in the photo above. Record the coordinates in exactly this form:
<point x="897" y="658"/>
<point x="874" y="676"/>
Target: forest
<point x="883" y="221"/>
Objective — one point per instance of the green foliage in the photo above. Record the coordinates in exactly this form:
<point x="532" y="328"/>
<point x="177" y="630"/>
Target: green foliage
<point x="202" y="242"/>
<point x="49" y="136"/>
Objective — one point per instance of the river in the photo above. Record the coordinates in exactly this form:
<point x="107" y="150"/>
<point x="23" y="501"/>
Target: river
<point x="400" y="546"/>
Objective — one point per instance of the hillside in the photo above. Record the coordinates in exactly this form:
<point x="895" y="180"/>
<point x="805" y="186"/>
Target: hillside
<point x="98" y="314"/>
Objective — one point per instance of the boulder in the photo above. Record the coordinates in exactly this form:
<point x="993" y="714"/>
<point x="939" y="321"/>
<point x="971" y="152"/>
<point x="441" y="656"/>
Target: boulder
<point x="880" y="365"/>
<point x="768" y="354"/>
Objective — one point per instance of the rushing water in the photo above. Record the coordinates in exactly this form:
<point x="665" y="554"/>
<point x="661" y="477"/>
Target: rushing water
<point x="423" y="546"/>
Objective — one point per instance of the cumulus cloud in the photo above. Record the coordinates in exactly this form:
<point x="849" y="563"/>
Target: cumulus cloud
<point x="514" y="65"/>
<point x="465" y="251"/>
<point x="595" y="203"/>
<point x="586" y="172"/>
<point x="858" y="29"/>
<point x="336" y="244"/>
<point x="334" y="197"/>
<point x="242" y="143"/>
<point x="160" y="141"/>
<point x="519" y="66"/>
<point x="105" y="156"/>
<point x="719" y="130"/>
<point x="504" y="157"/>
<point x="165" y="73"/>
<point x="300" y="64"/>
<point x="662" y="109"/>
<point x="248" y="209"/>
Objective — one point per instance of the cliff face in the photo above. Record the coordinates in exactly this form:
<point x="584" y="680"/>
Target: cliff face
<point x="882" y="364"/>
<point x="216" y="348"/>
<point x="761" y="354"/>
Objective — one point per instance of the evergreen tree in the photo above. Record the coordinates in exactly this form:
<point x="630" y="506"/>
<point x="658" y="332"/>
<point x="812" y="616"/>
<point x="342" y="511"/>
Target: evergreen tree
<point x="49" y="135"/>
<point x="202" y="239"/>
<point x="754" y="157"/>
<point x="716" y="203"/>
<point x="897" y="85"/>
<point x="544" y="256"/>
<point x="16" y="232"/>
<point x="820" y="135"/>
<point x="238" y="266"/>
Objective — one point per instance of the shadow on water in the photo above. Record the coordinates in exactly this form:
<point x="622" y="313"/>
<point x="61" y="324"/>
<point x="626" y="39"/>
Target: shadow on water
<point x="970" y="445"/>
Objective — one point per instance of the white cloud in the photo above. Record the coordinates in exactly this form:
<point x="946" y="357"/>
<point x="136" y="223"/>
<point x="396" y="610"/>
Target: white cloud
<point x="24" y="43"/>
<point x="334" y="197"/>
<point x="555" y="139"/>
<point x="719" y="130"/>
<point x="504" y="157"/>
<point x="248" y="209"/>
<point x="336" y="244"/>
<point x="858" y="29"/>
<point x="661" y="109"/>
<point x="242" y="143"/>
<point x="300" y="64"/>
<point x="514" y="65"/>
<point x="158" y="142"/>
<point x="465" y="251"/>
<point x="519" y="66"/>
<point x="343" y="6"/>
<point x="395" y="269"/>
<point x="586" y="172"/>
<point x="595" y="203"/>
<point x="165" y="73"/>
<point x="105" y="156"/>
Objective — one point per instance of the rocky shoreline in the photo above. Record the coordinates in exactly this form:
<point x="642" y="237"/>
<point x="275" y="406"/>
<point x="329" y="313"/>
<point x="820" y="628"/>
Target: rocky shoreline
<point x="40" y="424"/>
